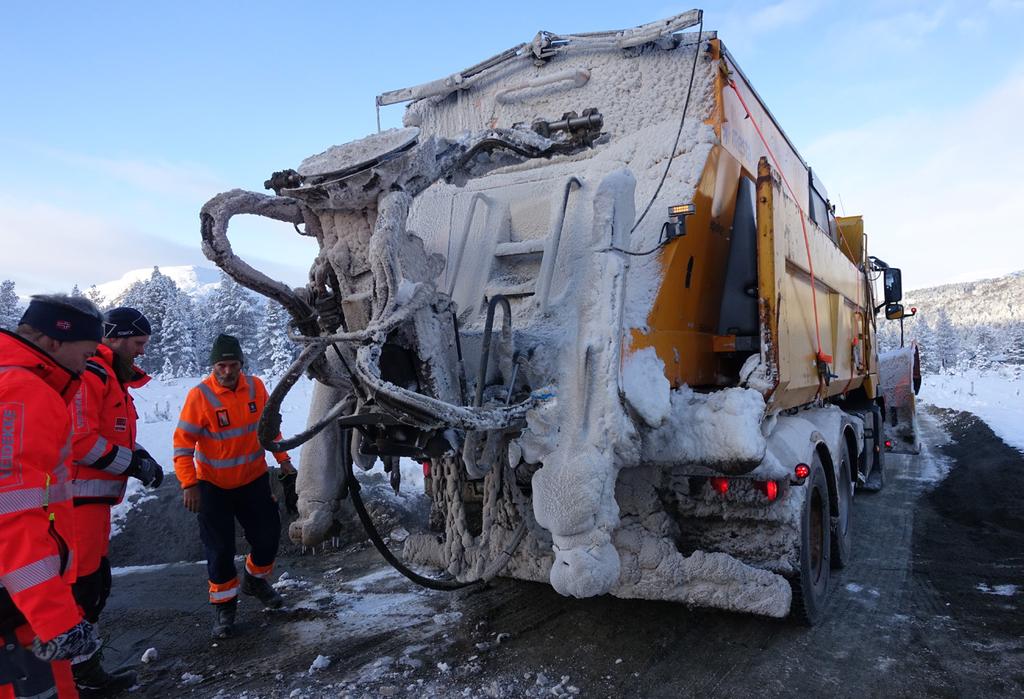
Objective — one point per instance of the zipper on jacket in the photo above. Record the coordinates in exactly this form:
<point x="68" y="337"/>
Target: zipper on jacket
<point x="62" y="545"/>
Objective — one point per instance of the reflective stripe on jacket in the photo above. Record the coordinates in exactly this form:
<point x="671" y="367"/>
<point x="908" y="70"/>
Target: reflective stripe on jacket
<point x="216" y="439"/>
<point x="104" y="422"/>
<point x="36" y="569"/>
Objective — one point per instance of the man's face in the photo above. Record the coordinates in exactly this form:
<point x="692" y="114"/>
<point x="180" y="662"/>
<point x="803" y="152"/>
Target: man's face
<point x="71" y="355"/>
<point x="226" y="373"/>
<point x="128" y="348"/>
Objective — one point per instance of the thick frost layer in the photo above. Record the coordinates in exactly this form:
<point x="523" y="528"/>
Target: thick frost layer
<point x="720" y="429"/>
<point x="586" y="437"/>
<point x="645" y="386"/>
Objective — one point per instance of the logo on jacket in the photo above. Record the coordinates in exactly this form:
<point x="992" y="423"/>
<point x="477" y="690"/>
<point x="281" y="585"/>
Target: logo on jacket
<point x="222" y="417"/>
<point x="252" y="406"/>
<point x="120" y="424"/>
<point x="10" y="419"/>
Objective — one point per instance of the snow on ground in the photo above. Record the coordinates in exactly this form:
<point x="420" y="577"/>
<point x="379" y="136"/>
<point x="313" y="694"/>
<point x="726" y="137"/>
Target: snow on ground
<point x="996" y="396"/>
<point x="159" y="403"/>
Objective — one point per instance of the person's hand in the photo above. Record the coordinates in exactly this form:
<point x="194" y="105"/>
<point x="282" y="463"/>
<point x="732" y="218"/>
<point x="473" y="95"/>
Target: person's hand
<point x="286" y="467"/>
<point x="145" y="468"/>
<point x="190" y="497"/>
<point x="80" y="639"/>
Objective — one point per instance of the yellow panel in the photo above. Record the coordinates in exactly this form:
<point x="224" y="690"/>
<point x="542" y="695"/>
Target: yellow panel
<point x="684" y="317"/>
<point x="851" y="237"/>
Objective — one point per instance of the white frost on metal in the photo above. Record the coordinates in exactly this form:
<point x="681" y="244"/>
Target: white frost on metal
<point x="645" y="386"/>
<point x="720" y="429"/>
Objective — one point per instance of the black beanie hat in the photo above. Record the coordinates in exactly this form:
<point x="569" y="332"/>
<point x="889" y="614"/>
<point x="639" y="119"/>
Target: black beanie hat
<point x="226" y="349"/>
<point x="125" y="322"/>
<point x="63" y="321"/>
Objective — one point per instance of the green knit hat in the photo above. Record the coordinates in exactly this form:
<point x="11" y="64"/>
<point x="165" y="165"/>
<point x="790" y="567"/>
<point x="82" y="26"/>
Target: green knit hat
<point x="226" y="349"/>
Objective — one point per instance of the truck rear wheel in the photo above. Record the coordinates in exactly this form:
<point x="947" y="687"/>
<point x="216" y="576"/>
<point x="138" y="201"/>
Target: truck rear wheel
<point x="810" y="588"/>
<point x="842" y="523"/>
<point x="876" y="475"/>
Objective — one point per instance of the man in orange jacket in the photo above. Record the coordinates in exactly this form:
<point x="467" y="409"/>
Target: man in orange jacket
<point x="105" y="454"/>
<point x="223" y="472"/>
<point x="39" y="369"/>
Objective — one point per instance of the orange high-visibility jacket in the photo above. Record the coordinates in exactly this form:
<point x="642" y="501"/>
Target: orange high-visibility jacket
<point x="103" y="419"/>
<point x="36" y="525"/>
<point x="216" y="440"/>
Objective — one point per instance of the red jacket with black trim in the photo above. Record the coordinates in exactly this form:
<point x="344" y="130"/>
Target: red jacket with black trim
<point x="216" y="437"/>
<point x="36" y="521"/>
<point x="104" y="422"/>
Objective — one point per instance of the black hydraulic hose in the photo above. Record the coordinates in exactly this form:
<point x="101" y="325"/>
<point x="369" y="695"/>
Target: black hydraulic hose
<point x="378" y="542"/>
<point x="269" y="426"/>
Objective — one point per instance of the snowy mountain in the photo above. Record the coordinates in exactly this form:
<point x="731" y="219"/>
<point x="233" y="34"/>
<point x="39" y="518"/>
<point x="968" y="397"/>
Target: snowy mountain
<point x="970" y="325"/>
<point x="197" y="282"/>
<point x="991" y="301"/>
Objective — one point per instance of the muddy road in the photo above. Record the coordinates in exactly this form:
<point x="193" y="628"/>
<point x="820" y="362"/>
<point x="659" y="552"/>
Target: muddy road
<point x="930" y="606"/>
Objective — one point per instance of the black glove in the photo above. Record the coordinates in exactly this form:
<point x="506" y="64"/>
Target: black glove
<point x="291" y="498"/>
<point x="80" y="639"/>
<point x="145" y="469"/>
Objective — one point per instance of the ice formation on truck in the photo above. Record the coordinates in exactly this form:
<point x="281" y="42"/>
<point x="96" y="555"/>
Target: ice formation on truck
<point x="591" y="286"/>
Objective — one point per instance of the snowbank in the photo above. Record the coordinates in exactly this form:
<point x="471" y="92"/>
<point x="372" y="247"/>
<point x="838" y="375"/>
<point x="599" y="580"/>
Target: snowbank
<point x="995" y="396"/>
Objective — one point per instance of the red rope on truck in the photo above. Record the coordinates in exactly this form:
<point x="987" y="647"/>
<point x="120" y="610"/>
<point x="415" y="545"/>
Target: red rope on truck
<point x="821" y="356"/>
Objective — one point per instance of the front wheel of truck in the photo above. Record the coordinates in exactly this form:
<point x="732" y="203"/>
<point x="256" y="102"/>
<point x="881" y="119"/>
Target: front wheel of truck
<point x="810" y="587"/>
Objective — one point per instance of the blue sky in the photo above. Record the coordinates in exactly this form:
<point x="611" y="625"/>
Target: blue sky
<point x="119" y="119"/>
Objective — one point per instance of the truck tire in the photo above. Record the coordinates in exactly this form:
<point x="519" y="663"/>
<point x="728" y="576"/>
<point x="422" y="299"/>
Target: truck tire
<point x="810" y="587"/>
<point x="876" y="476"/>
<point x="842" y="523"/>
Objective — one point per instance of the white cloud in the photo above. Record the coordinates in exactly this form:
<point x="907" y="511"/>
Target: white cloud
<point x="781" y="14"/>
<point x="1006" y="5"/>
<point x="174" y="179"/>
<point x="741" y="27"/>
<point x="48" y="248"/>
<point x="940" y="192"/>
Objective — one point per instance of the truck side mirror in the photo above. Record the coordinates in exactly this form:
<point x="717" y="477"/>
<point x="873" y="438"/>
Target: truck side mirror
<point x="894" y="311"/>
<point x="893" y="283"/>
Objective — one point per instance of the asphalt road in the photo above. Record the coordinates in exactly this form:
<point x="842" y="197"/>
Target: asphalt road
<point x="930" y="606"/>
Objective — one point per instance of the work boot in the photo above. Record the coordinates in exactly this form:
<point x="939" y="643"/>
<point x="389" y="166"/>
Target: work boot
<point x="93" y="681"/>
<point x="224" y="623"/>
<point x="261" y="590"/>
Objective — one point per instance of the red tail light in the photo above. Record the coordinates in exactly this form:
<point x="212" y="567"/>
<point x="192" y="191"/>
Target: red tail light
<point x="769" y="488"/>
<point x="426" y="469"/>
<point x="720" y="485"/>
<point x="888" y="444"/>
<point x="802" y="471"/>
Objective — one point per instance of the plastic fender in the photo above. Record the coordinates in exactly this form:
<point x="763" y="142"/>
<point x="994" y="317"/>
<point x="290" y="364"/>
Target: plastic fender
<point x="792" y="441"/>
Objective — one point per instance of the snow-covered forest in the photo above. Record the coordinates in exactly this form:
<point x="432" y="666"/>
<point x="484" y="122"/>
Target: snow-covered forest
<point x="973" y="325"/>
<point x="958" y="327"/>
<point x="185" y="324"/>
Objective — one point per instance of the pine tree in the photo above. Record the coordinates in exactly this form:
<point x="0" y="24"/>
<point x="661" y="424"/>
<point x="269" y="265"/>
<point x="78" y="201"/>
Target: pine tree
<point x="947" y="343"/>
<point x="279" y="351"/>
<point x="179" y="338"/>
<point x="925" y="339"/>
<point x="1013" y="352"/>
<point x="984" y="348"/>
<point x="10" y="306"/>
<point x="94" y="295"/>
<point x="234" y="311"/>
<point x="153" y="296"/>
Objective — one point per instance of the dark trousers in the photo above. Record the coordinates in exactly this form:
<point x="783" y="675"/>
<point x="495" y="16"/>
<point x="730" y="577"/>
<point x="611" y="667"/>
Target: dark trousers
<point x="254" y="508"/>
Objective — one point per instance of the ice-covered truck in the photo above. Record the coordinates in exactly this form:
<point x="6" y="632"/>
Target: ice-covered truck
<point x="594" y="289"/>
